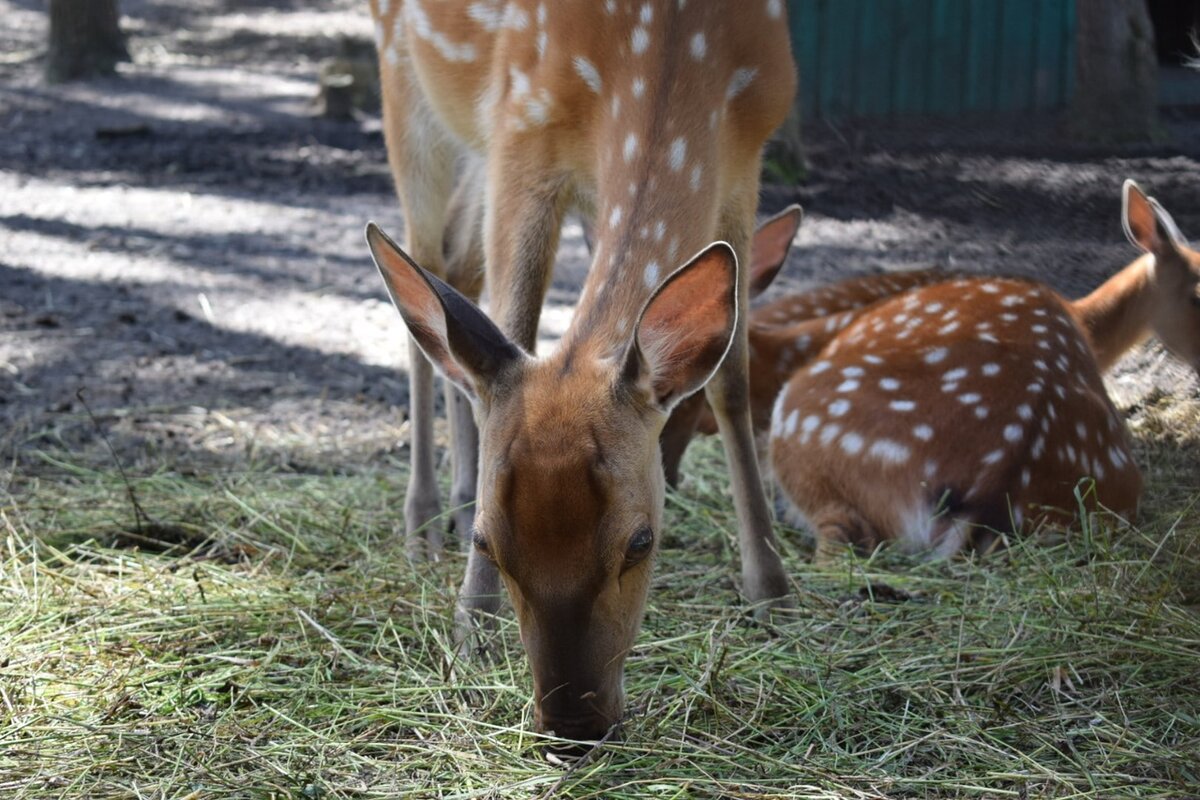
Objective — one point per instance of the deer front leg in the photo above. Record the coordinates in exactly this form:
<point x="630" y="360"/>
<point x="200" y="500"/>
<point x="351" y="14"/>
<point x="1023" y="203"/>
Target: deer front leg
<point x="524" y="219"/>
<point x="421" y="156"/>
<point x="763" y="577"/>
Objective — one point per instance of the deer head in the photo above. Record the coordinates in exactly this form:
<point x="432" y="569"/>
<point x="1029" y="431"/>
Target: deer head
<point x="573" y="529"/>
<point x="1174" y="272"/>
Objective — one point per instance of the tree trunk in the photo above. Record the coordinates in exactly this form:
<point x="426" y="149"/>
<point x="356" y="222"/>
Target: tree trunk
<point x="85" y="39"/>
<point x="1116" y="89"/>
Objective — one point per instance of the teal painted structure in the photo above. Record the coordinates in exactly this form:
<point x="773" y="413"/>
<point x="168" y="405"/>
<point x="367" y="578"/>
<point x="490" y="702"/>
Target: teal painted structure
<point x="883" y="58"/>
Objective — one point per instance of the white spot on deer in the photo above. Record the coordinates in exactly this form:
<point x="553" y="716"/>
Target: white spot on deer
<point x="694" y="182"/>
<point x="990" y="288"/>
<point x="614" y="218"/>
<point x="872" y="359"/>
<point x="646" y="15"/>
<point x="923" y="432"/>
<point x="969" y="399"/>
<point x="774" y="8"/>
<point x="990" y="370"/>
<point x="838" y="408"/>
<point x="852" y="443"/>
<point x="631" y="147"/>
<point x="1012" y="300"/>
<point x="1025" y="477"/>
<point x="519" y="81"/>
<point x="672" y="248"/>
<point x="1025" y="412"/>
<point x="956" y="374"/>
<point x="542" y="40"/>
<point x="981" y="412"/>
<point x="819" y="367"/>
<point x="810" y="424"/>
<point x="830" y="432"/>
<point x="515" y="17"/>
<point x="698" y="46"/>
<point x="937" y="355"/>
<point x="789" y="425"/>
<point x="392" y="55"/>
<point x="587" y="70"/>
<point x="741" y="79"/>
<point x="423" y="27"/>
<point x="993" y="457"/>
<point x="902" y="405"/>
<point x="616" y="106"/>
<point x="639" y="87"/>
<point x="610" y="6"/>
<point x="677" y="153"/>
<point x="889" y="384"/>
<point x="639" y="41"/>
<point x="987" y="337"/>
<point x="651" y="275"/>
<point x="948" y="328"/>
<point x="489" y="15"/>
<point x="1012" y="433"/>
<point x="889" y="451"/>
<point x="950" y="388"/>
<point x="660" y="230"/>
<point x="933" y="308"/>
<point x="853" y="372"/>
<point x="1081" y="430"/>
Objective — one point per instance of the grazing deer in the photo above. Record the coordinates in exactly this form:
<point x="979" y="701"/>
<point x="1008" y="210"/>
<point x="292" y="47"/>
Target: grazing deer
<point x="977" y="404"/>
<point x="783" y="335"/>
<point x="652" y="116"/>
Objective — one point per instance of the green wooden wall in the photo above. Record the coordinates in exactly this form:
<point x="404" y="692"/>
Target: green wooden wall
<point x="880" y="58"/>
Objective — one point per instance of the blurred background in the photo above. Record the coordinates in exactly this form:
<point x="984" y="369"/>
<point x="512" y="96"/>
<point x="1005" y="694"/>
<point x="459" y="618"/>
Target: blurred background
<point x="183" y="186"/>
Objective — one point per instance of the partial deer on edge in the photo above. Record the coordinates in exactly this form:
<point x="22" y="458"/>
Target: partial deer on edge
<point x="977" y="405"/>
<point x="652" y="116"/>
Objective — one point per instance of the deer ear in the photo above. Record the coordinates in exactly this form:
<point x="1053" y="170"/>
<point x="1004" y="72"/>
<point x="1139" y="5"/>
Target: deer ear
<point x="686" y="328"/>
<point x="769" y="252"/>
<point x="455" y="335"/>
<point x="1147" y="224"/>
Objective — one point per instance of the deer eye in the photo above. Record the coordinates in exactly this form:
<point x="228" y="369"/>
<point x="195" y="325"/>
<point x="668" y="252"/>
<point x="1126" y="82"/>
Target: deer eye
<point x="640" y="545"/>
<point x="481" y="544"/>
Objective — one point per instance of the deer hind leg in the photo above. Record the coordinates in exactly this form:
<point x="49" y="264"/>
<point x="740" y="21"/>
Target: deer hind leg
<point x="464" y="271"/>
<point x="524" y="210"/>
<point x="422" y="157"/>
<point x="763" y="577"/>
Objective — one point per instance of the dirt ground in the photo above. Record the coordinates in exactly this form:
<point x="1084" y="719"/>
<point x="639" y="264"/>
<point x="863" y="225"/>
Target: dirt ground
<point x="181" y="246"/>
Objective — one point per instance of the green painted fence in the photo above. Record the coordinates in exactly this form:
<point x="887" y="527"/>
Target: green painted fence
<point x="879" y="58"/>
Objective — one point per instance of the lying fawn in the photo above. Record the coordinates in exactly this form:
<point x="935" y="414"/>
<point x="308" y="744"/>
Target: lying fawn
<point x="783" y="334"/>
<point x="651" y="116"/>
<point x="977" y="405"/>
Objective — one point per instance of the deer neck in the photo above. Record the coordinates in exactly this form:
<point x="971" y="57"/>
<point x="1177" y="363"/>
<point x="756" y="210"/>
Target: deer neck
<point x="1117" y="315"/>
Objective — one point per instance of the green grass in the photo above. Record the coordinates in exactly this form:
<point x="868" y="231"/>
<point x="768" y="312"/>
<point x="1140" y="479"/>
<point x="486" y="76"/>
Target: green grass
<point x="287" y="650"/>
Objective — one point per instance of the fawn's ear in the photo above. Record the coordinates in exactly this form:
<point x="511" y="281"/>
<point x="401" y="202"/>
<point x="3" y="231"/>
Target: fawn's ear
<point x="685" y="328"/>
<point x="769" y="251"/>
<point x="455" y="335"/>
<point x="1147" y="224"/>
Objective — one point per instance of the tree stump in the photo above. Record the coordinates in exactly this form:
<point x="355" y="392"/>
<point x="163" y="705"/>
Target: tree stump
<point x="85" y="39"/>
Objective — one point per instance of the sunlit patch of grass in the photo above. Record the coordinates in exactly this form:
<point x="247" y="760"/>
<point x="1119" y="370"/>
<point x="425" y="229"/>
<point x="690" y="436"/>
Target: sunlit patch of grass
<point x="284" y="647"/>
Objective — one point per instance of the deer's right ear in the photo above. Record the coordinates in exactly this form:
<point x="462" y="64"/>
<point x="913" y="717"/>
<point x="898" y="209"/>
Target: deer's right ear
<point x="1147" y="224"/>
<point x="769" y="251"/>
<point x="460" y="340"/>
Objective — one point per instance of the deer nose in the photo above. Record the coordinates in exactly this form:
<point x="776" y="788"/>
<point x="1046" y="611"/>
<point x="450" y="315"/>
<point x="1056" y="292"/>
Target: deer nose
<point x="583" y="733"/>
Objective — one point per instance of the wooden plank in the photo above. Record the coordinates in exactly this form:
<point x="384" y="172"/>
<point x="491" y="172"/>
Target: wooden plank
<point x="876" y="46"/>
<point x="912" y="43"/>
<point x="803" y="20"/>
<point x="983" y="16"/>
<point x="947" y="56"/>
<point x="1014" y="88"/>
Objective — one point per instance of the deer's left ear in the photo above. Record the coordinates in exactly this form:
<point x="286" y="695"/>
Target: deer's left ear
<point x="685" y="328"/>
<point x="769" y="251"/>
<point x="1147" y="224"/>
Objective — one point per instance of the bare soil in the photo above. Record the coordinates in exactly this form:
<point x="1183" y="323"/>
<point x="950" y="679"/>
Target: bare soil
<point x="181" y="245"/>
